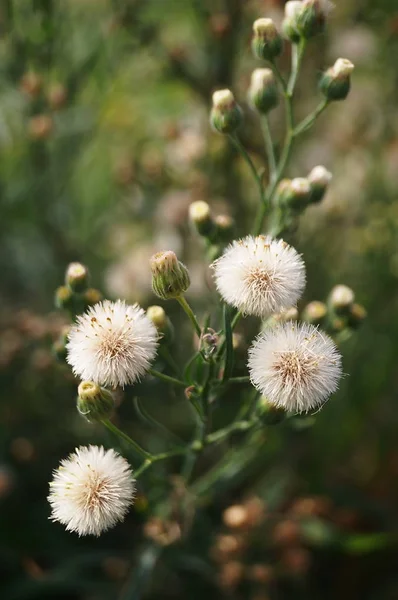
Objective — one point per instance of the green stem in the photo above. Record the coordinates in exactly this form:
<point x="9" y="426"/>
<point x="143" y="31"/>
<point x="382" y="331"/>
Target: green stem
<point x="297" y="57"/>
<point x="167" y="378"/>
<point x="109" y="425"/>
<point x="245" y="379"/>
<point x="269" y="147"/>
<point x="221" y="434"/>
<point x="166" y="355"/>
<point x="310" y="120"/>
<point x="189" y="312"/>
<point x="242" y="150"/>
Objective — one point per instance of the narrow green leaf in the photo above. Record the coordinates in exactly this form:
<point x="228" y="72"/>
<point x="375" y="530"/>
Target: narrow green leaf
<point x="229" y="351"/>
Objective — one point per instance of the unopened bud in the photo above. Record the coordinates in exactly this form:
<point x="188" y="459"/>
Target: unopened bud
<point x="263" y="90"/>
<point x="294" y="193"/>
<point x="94" y="402"/>
<point x="31" y="84"/>
<point x="315" y="313"/>
<point x="57" y="96"/>
<point x="64" y="298"/>
<point x="209" y="343"/>
<point x="91" y="297"/>
<point x="225" y="228"/>
<point x="40" y="127"/>
<point x="201" y="217"/>
<point x="268" y="413"/>
<point x="226" y="115"/>
<point x="356" y="316"/>
<point x="158" y="316"/>
<point x="289" y="23"/>
<point x="341" y="299"/>
<point x="319" y="179"/>
<point x="170" y="277"/>
<point x="77" y="277"/>
<point x="267" y="42"/>
<point x="336" y="82"/>
<point x="311" y="19"/>
<point x="59" y="346"/>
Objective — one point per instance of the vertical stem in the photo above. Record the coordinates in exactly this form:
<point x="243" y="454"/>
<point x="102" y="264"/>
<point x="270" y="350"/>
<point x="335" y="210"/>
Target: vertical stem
<point x="242" y="150"/>
<point x="269" y="147"/>
<point x="189" y="312"/>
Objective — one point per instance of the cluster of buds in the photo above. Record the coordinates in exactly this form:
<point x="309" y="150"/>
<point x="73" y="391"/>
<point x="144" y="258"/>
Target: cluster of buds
<point x="296" y="194"/>
<point x="215" y="229"/>
<point x="75" y="295"/>
<point x="339" y="313"/>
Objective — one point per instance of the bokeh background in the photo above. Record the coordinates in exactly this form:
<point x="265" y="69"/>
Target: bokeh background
<point x="104" y="143"/>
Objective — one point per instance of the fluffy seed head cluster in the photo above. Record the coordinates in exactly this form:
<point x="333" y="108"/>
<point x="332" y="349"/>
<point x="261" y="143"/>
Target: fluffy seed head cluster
<point x="260" y="276"/>
<point x="112" y="344"/>
<point x="295" y="366"/>
<point x="91" y="490"/>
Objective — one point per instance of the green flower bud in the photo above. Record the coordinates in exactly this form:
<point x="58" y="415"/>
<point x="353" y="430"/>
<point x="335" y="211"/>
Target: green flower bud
<point x="289" y="23"/>
<point x="64" y="298"/>
<point x="315" y="313"/>
<point x="294" y="193"/>
<point x="356" y="316"/>
<point x="77" y="277"/>
<point x="226" y="115"/>
<point x="311" y="19"/>
<point x="336" y="82"/>
<point x="158" y="316"/>
<point x="225" y="228"/>
<point x="263" y="90"/>
<point x="91" y="297"/>
<point x="267" y="42"/>
<point x="170" y="277"/>
<point x="94" y="402"/>
<point x="201" y="218"/>
<point x="268" y="413"/>
<point x="59" y="346"/>
<point x="341" y="299"/>
<point x="319" y="179"/>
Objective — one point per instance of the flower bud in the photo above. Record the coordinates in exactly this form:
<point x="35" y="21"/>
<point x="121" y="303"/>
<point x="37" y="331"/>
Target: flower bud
<point x="341" y="299"/>
<point x="200" y="216"/>
<point x="94" y="402"/>
<point x="319" y="179"/>
<point x="336" y="82"/>
<point x="64" y="298"/>
<point x="170" y="277"/>
<point x="269" y="414"/>
<point x="267" y="42"/>
<point x="294" y="193"/>
<point x="77" y="277"/>
<point x="59" y="346"/>
<point x="31" y="84"/>
<point x="289" y="23"/>
<point x="209" y="343"/>
<point x="158" y="316"/>
<point x="311" y="19"/>
<point x="315" y="313"/>
<point x="225" y="228"/>
<point x="356" y="316"/>
<point x="91" y="297"/>
<point x="263" y="90"/>
<point x="226" y="114"/>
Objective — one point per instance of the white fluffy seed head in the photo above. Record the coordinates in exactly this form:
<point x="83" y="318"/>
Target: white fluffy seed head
<point x="260" y="276"/>
<point x="295" y="366"/>
<point x="91" y="491"/>
<point x="112" y="344"/>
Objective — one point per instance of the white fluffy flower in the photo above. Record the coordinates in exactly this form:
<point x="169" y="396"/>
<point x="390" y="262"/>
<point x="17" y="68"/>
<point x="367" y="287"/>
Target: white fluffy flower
<point x="91" y="491"/>
<point x="295" y="366"/>
<point x="112" y="344"/>
<point x="260" y="275"/>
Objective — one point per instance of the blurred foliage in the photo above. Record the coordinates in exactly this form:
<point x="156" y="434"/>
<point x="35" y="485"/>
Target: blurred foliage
<point x="104" y="142"/>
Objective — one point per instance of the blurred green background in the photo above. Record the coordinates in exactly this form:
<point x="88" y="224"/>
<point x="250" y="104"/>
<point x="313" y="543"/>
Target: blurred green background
<point x="104" y="143"/>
